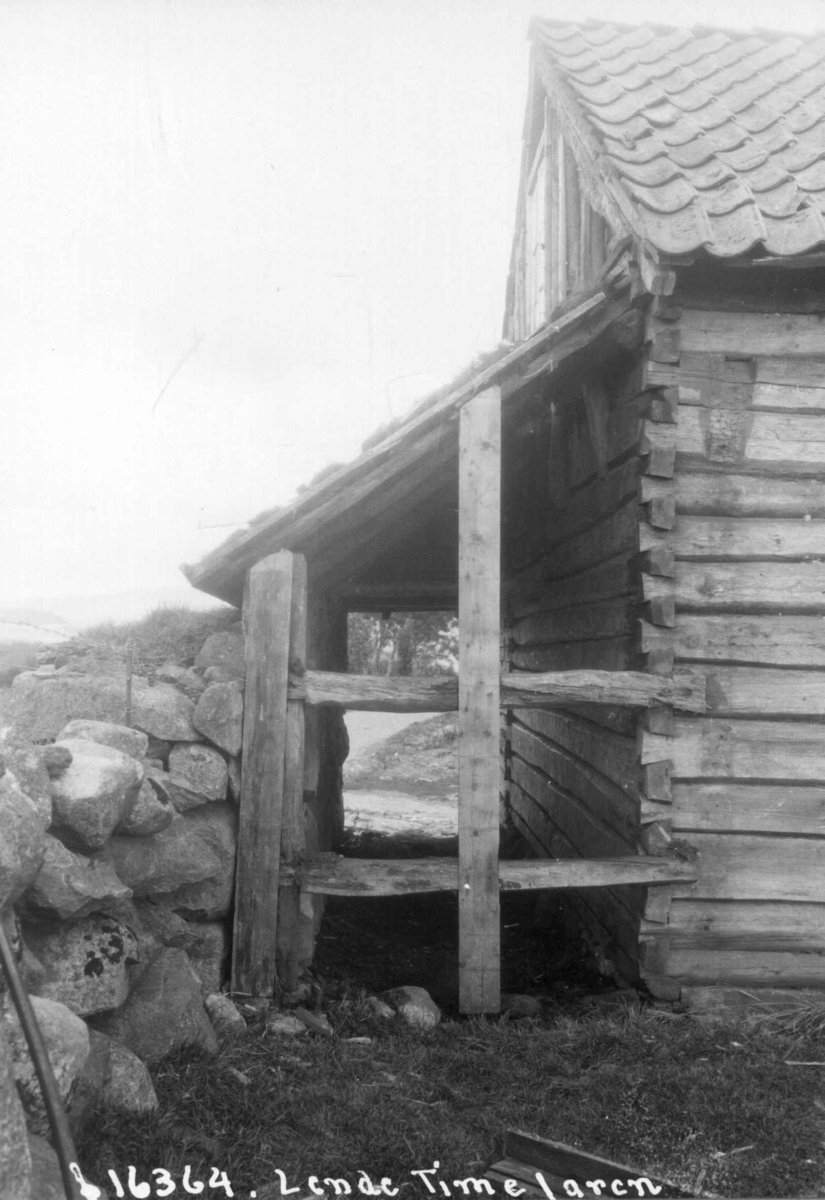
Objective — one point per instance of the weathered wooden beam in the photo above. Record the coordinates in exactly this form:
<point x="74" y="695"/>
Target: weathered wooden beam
<point x="404" y="594"/>
<point x="268" y="609"/>
<point x="528" y="689"/>
<point x="479" y="623"/>
<point x="293" y="832"/>
<point x="332" y="875"/>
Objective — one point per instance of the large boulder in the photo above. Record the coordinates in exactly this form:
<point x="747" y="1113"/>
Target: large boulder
<point x="89" y="1082"/>
<point x="67" y="1045"/>
<point x="42" y="704"/>
<point x="150" y="813"/>
<point x="164" y="1010"/>
<point x="205" y="942"/>
<point x="224" y="650"/>
<point x="70" y="886"/>
<point x="22" y="840"/>
<point x="183" y="678"/>
<point x="85" y="962"/>
<point x="218" y="716"/>
<point x="26" y="763"/>
<point x="215" y="826"/>
<point x="15" y="1161"/>
<point x="415" y="1006"/>
<point x="106" y="733"/>
<point x="96" y="792"/>
<point x="197" y="774"/>
<point x="162" y="861"/>
<point x="129" y="1086"/>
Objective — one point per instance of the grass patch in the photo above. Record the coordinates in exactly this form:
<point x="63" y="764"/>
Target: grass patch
<point x="695" y="1102"/>
<point x="169" y="633"/>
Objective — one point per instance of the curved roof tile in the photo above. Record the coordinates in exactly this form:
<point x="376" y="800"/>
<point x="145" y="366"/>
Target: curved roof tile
<point x="716" y="137"/>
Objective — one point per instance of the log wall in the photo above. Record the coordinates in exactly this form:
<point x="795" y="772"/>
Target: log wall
<point x="747" y="593"/>
<point x="572" y="514"/>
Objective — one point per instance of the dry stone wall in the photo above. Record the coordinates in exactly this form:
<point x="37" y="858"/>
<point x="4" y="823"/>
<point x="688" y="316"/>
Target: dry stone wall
<point x="117" y="859"/>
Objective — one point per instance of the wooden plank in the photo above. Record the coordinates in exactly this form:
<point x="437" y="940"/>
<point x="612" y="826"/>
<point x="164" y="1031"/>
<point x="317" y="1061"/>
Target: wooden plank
<point x="579" y="821"/>
<point x="774" y="334"/>
<point x="611" y="618"/>
<point x="598" y="544"/>
<point x="751" y="867"/>
<point x="746" y="968"/>
<point x="739" y="537"/>
<point x="567" y="1163"/>
<point x="442" y="693"/>
<point x="765" y="692"/>
<point x="747" y="925"/>
<point x="796" y="383"/>
<point x="786" y="587"/>
<point x="530" y="592"/>
<point x="611" y="914"/>
<point x="714" y="748"/>
<point x="613" y="754"/>
<point x="768" y="437"/>
<point x="607" y="800"/>
<point x="778" y="640"/>
<point x="409" y="595"/>
<point x="749" y="808"/>
<point x="332" y="875"/>
<point x="735" y="495"/>
<point x="596" y="499"/>
<point x="267" y="619"/>
<point x="609" y="654"/>
<point x="479" y="558"/>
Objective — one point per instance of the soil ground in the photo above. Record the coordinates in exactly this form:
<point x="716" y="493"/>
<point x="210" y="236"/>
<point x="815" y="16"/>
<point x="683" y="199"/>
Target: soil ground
<point x="401" y="801"/>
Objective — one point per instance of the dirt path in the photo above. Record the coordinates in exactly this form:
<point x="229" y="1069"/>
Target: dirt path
<point x="401" y="775"/>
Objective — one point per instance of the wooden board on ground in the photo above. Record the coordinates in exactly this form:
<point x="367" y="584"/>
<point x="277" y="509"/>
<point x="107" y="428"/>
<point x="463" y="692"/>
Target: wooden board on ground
<point x="526" y="1155"/>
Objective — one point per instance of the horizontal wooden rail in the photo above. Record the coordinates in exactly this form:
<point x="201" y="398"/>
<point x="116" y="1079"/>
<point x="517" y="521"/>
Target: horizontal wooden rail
<point x="439" y="693"/>
<point x="332" y="875"/>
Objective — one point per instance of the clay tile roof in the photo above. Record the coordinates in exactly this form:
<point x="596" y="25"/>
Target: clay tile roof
<point x="715" y="138"/>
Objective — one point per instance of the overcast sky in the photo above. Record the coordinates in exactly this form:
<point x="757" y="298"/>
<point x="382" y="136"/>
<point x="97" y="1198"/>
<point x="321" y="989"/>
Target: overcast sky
<point x="239" y="235"/>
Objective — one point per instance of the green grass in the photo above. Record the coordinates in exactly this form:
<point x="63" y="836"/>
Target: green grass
<point x="699" y="1103"/>
<point x="171" y="632"/>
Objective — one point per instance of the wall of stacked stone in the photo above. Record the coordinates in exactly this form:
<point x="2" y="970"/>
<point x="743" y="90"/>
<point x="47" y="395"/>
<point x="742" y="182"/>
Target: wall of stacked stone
<point x="118" y="832"/>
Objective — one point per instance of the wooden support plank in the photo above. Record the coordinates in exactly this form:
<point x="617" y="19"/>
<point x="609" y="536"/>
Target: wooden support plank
<point x="587" y="621"/>
<point x="744" y="968"/>
<point x="735" y="495"/>
<point x="734" y="866"/>
<point x="749" y="808"/>
<point x="774" y="334"/>
<point x="747" y="925"/>
<point x="729" y="1002"/>
<point x="408" y="595"/>
<point x="267" y="614"/>
<point x="778" y="640"/>
<point x="714" y="748"/>
<point x="333" y="875"/>
<point x="479" y="622"/>
<point x="740" y="537"/>
<point x="765" y="437"/>
<point x="795" y="587"/>
<point x="441" y="693"/>
<point x="789" y="383"/>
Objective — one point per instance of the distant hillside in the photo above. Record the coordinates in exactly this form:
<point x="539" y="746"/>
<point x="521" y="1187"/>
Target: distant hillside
<point x="76" y="612"/>
<point x="37" y="617"/>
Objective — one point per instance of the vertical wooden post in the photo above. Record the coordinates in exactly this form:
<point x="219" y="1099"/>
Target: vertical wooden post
<point x="267" y="617"/>
<point x="479" y="569"/>
<point x="293" y="832"/>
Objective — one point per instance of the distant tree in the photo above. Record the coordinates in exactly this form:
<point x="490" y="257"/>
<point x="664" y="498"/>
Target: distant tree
<point x="409" y="644"/>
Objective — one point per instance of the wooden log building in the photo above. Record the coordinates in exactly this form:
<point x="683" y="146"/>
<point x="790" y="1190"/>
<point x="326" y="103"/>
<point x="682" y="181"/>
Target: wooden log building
<point x="626" y="504"/>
